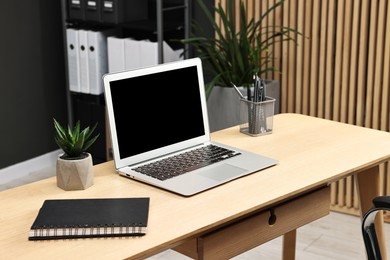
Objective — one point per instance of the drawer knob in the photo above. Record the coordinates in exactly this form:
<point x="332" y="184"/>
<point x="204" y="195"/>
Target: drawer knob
<point x="272" y="217"/>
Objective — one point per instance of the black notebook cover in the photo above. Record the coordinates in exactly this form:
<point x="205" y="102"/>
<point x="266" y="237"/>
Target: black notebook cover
<point x="79" y="218"/>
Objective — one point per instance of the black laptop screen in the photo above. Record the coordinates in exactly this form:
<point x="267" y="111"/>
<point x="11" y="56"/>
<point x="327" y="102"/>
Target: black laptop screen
<point x="155" y="110"/>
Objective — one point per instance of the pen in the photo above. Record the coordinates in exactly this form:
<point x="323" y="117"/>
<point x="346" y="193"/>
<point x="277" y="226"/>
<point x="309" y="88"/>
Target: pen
<point x="255" y="90"/>
<point x="264" y="89"/>
<point x="261" y="91"/>
<point x="238" y="91"/>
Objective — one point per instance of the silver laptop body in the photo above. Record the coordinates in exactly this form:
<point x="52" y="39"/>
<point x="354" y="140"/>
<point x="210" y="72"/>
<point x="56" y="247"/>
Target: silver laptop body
<point x="160" y="111"/>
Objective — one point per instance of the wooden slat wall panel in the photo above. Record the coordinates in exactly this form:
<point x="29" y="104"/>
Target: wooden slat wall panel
<point x="339" y="30"/>
<point x="322" y="58"/>
<point x="362" y="62"/>
<point x="307" y="16"/>
<point x="352" y="97"/>
<point x="299" y="55"/>
<point x="291" y="75"/>
<point x="314" y="66"/>
<point x="385" y="118"/>
<point x="278" y="45"/>
<point x="330" y="50"/>
<point x="286" y="88"/>
<point x="270" y="21"/>
<point x="340" y="69"/>
<point x="371" y="62"/>
<point x="346" y="61"/>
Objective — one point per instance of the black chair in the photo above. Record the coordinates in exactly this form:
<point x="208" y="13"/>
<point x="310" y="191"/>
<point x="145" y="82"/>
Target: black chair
<point x="368" y="227"/>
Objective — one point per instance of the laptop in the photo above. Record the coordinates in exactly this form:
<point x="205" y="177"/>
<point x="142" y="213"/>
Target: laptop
<point x="159" y="112"/>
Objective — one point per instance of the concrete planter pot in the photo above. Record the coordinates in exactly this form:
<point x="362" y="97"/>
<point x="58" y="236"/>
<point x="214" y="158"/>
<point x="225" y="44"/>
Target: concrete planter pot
<point x="74" y="174"/>
<point x="223" y="105"/>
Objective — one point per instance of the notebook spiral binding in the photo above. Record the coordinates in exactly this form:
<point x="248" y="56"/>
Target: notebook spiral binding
<point x="85" y="231"/>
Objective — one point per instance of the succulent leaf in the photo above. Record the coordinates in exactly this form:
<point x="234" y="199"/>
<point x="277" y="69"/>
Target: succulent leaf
<point x="73" y="141"/>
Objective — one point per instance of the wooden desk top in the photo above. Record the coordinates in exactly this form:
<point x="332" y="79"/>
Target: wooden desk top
<point x="312" y="152"/>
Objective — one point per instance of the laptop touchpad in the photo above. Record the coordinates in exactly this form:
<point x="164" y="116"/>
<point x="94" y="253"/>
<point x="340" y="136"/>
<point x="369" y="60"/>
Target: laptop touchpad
<point x="223" y="172"/>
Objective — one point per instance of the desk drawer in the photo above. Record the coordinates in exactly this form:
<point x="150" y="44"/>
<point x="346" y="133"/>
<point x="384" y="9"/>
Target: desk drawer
<point x="245" y="234"/>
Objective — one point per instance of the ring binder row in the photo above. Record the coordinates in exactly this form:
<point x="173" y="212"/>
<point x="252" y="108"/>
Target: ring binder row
<point x="80" y="231"/>
<point x="87" y="59"/>
<point x="93" y="53"/>
<point x="107" y="11"/>
<point x="78" y="218"/>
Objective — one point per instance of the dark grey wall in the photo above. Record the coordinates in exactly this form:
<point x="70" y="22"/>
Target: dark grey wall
<point x="32" y="72"/>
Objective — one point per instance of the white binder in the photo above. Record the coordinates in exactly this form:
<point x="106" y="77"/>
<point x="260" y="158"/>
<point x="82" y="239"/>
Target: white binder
<point x="83" y="58"/>
<point x="72" y="42"/>
<point x="149" y="53"/>
<point x="116" y="54"/>
<point x="97" y="59"/>
<point x="132" y="53"/>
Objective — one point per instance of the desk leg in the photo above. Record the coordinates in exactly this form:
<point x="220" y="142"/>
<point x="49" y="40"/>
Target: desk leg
<point x="367" y="184"/>
<point x="289" y="241"/>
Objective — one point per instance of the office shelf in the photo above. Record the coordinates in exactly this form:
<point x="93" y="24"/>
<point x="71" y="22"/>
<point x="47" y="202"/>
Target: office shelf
<point x="157" y="20"/>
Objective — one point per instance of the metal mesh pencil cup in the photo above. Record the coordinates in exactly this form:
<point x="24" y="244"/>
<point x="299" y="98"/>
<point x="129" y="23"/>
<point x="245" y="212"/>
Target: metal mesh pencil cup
<point x="256" y="118"/>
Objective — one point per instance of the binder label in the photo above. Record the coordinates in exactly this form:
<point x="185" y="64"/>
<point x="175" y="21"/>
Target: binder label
<point x="92" y="5"/>
<point x="108" y="6"/>
<point x="76" y="3"/>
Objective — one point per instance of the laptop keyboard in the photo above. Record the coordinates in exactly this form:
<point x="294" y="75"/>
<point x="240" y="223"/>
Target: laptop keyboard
<point x="179" y="164"/>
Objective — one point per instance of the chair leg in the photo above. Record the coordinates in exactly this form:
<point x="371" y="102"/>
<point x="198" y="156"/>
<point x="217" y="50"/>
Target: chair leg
<point x="367" y="184"/>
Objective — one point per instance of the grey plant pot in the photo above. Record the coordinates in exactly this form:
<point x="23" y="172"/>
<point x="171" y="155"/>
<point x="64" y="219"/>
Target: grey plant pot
<point x="74" y="174"/>
<point x="223" y="105"/>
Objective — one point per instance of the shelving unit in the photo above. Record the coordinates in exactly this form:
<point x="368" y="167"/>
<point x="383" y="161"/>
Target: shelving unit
<point x="155" y="25"/>
<point x="160" y="24"/>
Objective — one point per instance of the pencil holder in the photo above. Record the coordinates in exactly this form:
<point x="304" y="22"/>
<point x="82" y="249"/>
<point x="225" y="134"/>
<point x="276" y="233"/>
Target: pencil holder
<point x="256" y="118"/>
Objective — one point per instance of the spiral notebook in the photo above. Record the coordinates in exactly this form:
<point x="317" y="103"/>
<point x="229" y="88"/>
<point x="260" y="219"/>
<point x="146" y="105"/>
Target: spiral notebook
<point x="82" y="218"/>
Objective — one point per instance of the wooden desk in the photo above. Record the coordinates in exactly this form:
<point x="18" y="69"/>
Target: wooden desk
<point x="312" y="153"/>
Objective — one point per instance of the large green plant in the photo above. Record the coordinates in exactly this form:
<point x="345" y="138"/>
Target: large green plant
<point x="74" y="142"/>
<point x="237" y="54"/>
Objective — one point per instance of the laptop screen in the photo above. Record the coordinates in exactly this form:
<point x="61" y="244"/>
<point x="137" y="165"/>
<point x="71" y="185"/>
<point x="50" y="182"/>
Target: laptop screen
<point x="154" y="112"/>
<point x="157" y="108"/>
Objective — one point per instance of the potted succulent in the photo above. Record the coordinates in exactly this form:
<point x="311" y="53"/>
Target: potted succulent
<point x="234" y="55"/>
<point x="74" y="167"/>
